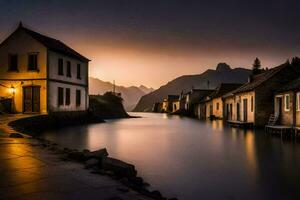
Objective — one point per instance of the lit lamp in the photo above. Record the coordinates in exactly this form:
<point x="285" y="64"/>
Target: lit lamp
<point x="12" y="90"/>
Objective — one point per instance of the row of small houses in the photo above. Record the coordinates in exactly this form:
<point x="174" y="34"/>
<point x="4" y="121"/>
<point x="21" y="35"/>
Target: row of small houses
<point x="275" y="92"/>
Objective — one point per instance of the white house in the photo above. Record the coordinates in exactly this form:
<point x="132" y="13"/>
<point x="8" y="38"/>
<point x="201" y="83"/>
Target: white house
<point x="41" y="74"/>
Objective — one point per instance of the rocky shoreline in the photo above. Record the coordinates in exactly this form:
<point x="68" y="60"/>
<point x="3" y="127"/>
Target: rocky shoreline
<point x="99" y="162"/>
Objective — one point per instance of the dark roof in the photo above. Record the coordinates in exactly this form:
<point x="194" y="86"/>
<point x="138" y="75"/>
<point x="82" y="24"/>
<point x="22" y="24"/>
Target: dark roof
<point x="224" y="88"/>
<point x="53" y="44"/>
<point x="199" y="91"/>
<point x="259" y="79"/>
<point x="293" y="85"/>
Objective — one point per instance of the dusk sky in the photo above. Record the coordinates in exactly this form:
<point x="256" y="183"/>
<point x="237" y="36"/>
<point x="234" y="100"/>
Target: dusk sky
<point x="152" y="42"/>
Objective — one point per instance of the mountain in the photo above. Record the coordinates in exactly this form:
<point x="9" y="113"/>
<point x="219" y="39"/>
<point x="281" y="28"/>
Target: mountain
<point x="145" y="89"/>
<point x="130" y="95"/>
<point x="209" y="79"/>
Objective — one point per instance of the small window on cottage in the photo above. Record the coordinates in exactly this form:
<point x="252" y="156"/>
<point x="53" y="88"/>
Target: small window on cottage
<point x="287" y="102"/>
<point x="78" y="71"/>
<point x="78" y="97"/>
<point x="33" y="61"/>
<point x="298" y="101"/>
<point x="60" y="96"/>
<point x="252" y="104"/>
<point x="68" y="69"/>
<point x="68" y="96"/>
<point x="217" y="106"/>
<point x="13" y="62"/>
<point x="60" y="67"/>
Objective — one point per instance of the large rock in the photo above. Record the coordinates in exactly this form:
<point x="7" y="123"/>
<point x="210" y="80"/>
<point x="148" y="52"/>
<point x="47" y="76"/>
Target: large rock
<point x="99" y="154"/>
<point x="91" y="163"/>
<point x="86" y="154"/>
<point x="120" y="168"/>
<point x="76" y="155"/>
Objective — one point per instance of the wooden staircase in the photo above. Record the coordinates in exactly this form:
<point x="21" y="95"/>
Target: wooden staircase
<point x="272" y="120"/>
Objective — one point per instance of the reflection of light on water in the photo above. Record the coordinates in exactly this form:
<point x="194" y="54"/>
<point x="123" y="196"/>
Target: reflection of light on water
<point x="234" y="134"/>
<point x="250" y="151"/>
<point x="217" y="125"/>
<point x="165" y="116"/>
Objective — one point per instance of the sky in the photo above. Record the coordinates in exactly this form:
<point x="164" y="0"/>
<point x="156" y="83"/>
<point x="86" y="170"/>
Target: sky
<point x="151" y="42"/>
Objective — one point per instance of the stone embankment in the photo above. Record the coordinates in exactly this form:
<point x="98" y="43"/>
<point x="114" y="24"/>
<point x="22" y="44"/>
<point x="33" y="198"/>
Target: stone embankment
<point x="99" y="162"/>
<point x="95" y="162"/>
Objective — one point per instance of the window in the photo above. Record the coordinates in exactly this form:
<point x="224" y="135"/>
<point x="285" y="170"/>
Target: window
<point x="68" y="69"/>
<point x="298" y="101"/>
<point x="68" y="96"/>
<point x="78" y="97"/>
<point x="60" y="66"/>
<point x="60" y="96"/>
<point x="13" y="62"/>
<point x="78" y="71"/>
<point x="287" y="102"/>
<point x="217" y="106"/>
<point x="252" y="103"/>
<point x="32" y="61"/>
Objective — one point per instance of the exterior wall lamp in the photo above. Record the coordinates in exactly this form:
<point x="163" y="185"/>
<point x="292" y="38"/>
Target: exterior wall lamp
<point x="12" y="90"/>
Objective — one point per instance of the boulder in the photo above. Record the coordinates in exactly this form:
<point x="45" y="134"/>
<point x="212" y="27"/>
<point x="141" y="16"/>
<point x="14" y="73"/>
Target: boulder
<point x="121" y="169"/>
<point x="91" y="162"/>
<point x="16" y="135"/>
<point x="99" y="154"/>
<point x="76" y="155"/>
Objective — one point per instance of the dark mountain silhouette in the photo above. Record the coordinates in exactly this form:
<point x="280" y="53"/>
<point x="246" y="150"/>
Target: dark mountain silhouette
<point x="130" y="95"/>
<point x="209" y="79"/>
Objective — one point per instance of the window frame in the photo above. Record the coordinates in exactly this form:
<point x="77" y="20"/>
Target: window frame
<point x="298" y="101"/>
<point x="60" y="67"/>
<point x="78" y="71"/>
<point x="60" y="96"/>
<point x="285" y="102"/>
<point x="36" y="67"/>
<point x="68" y="97"/>
<point x="15" y="68"/>
<point x="78" y="98"/>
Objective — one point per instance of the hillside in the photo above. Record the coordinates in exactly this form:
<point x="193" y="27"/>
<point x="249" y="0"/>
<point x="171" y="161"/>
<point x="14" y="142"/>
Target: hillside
<point x="107" y="106"/>
<point x="222" y="74"/>
<point x="130" y="95"/>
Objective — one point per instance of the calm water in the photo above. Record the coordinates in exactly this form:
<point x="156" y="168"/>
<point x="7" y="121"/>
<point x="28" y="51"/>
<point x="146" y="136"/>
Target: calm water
<point x="190" y="159"/>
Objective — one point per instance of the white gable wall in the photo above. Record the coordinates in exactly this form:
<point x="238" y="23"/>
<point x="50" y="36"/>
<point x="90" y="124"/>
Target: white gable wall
<point x="56" y="80"/>
<point x="53" y="97"/>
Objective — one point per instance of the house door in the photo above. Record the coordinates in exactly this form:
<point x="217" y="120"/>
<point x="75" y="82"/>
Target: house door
<point x="31" y="99"/>
<point x="238" y="118"/>
<point x="245" y="102"/>
<point x="278" y="106"/>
